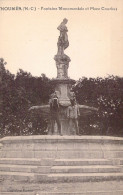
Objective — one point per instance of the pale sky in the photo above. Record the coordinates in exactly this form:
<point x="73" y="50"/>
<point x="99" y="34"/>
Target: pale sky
<point x="28" y="39"/>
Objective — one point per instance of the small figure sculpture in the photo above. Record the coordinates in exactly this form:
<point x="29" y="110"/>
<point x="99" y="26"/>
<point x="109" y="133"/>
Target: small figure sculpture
<point x="72" y="115"/>
<point x="63" y="42"/>
<point x="54" y="112"/>
<point x="72" y="95"/>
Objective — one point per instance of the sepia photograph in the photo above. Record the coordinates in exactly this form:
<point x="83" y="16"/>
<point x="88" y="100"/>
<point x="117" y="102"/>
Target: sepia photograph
<point x="61" y="97"/>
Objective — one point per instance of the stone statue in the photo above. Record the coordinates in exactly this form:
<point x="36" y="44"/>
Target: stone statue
<point x="63" y="42"/>
<point x="62" y="60"/>
<point x="72" y="114"/>
<point x="54" y="113"/>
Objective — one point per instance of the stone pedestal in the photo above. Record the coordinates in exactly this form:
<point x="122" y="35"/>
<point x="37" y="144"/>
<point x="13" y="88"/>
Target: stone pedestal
<point x="63" y="86"/>
<point x="62" y="64"/>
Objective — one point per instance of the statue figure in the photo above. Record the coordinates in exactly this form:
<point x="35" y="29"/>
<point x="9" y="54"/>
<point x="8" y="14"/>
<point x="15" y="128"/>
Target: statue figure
<point x="54" y="112"/>
<point x="63" y="42"/>
<point x="72" y="95"/>
<point x="72" y="114"/>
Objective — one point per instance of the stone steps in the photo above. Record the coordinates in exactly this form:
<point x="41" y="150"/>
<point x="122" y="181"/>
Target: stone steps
<point x="61" y="158"/>
<point x="71" y="168"/>
<point x="60" y="170"/>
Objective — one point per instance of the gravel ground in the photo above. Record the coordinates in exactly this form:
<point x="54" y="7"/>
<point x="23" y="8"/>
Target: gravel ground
<point x="108" y="186"/>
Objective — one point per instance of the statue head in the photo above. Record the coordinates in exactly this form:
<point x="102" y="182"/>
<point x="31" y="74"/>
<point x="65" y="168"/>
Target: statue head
<point x="54" y="94"/>
<point x="72" y="101"/>
<point x="65" y="20"/>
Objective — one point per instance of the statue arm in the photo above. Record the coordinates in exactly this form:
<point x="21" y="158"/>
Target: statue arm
<point x="78" y="111"/>
<point x="59" y="28"/>
<point x="62" y="28"/>
<point x="68" y="113"/>
<point x="50" y="102"/>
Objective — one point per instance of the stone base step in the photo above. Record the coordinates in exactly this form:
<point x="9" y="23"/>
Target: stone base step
<point x="80" y="161"/>
<point x="60" y="177"/>
<point x="24" y="168"/>
<point x="63" y="153"/>
<point x="59" y="169"/>
<point x="121" y="161"/>
<point x="118" y="192"/>
<point x="78" y="177"/>
<point x="19" y="176"/>
<point x="21" y="161"/>
<point x="50" y="161"/>
<point x="85" y="169"/>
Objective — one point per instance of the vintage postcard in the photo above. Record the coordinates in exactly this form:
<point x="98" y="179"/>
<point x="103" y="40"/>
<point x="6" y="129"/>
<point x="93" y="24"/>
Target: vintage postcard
<point x="61" y="97"/>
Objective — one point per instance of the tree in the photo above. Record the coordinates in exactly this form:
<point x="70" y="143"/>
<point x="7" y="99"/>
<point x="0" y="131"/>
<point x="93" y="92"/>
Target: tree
<point x="19" y="93"/>
<point x="107" y="95"/>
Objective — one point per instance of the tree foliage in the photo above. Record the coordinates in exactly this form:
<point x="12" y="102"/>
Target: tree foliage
<point x="107" y="95"/>
<point x="18" y="93"/>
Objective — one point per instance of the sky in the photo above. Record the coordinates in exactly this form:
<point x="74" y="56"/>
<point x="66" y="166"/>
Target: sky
<point x="28" y="39"/>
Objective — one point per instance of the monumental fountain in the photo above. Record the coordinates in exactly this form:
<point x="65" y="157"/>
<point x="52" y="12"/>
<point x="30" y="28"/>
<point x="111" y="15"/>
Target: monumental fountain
<point x="63" y="85"/>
